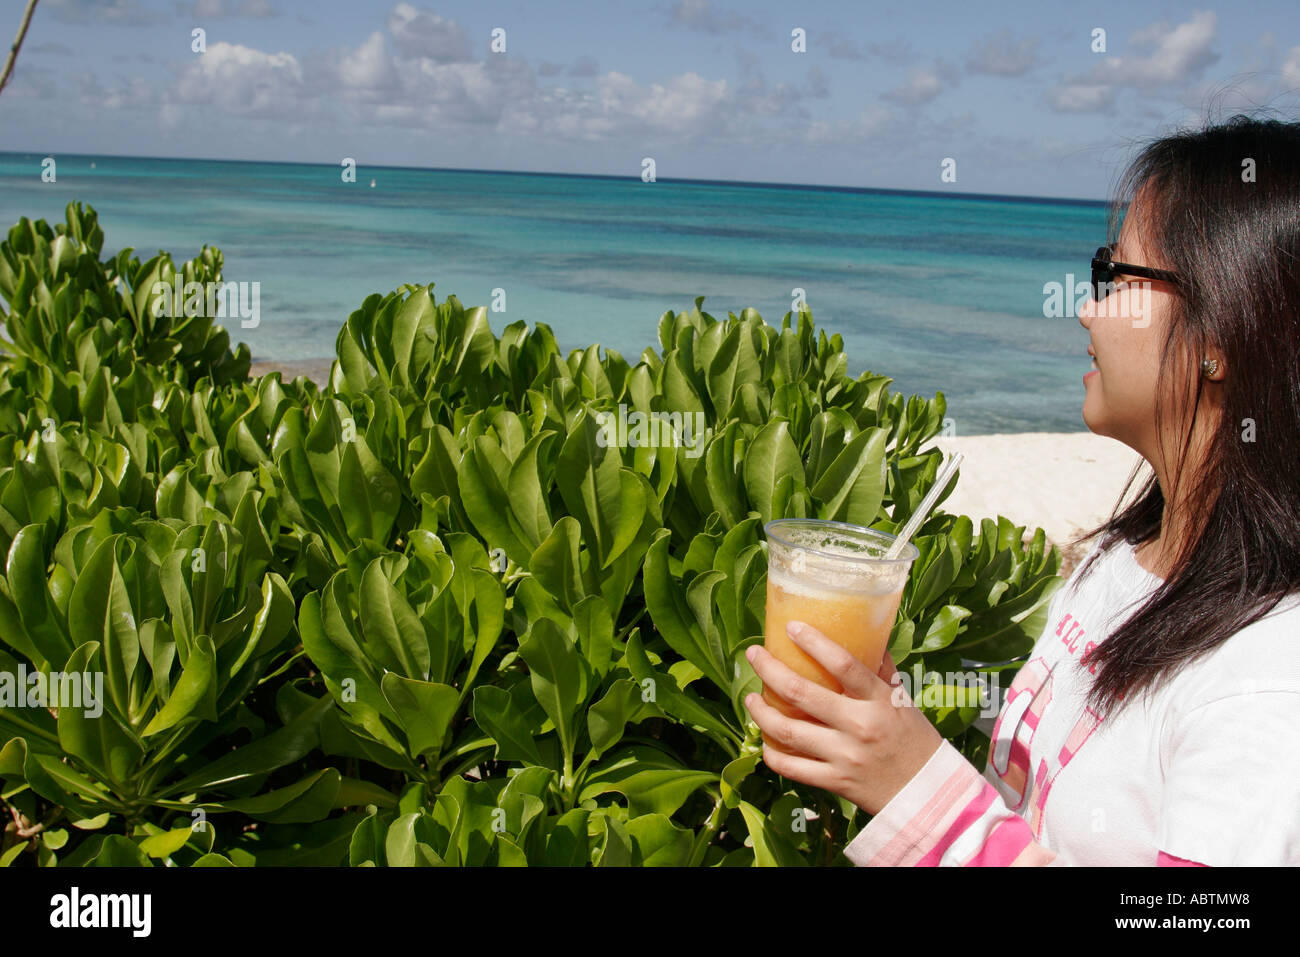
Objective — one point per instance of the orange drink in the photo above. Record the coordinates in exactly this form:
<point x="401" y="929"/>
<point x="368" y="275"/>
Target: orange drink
<point x="835" y="577"/>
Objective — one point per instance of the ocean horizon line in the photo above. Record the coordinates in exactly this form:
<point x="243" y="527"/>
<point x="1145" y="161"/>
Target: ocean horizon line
<point x="610" y="177"/>
<point x="939" y="291"/>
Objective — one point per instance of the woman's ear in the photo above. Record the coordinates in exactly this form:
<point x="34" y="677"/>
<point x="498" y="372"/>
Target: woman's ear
<point x="1213" y="366"/>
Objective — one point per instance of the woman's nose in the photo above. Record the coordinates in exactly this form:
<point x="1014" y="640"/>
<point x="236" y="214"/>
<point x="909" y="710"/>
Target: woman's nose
<point x="1088" y="312"/>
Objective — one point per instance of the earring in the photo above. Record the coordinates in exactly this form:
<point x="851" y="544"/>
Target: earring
<point x="1209" y="367"/>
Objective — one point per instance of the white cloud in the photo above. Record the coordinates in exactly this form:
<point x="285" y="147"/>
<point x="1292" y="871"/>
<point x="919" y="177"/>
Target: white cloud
<point x="130" y="93"/>
<point x="922" y="85"/>
<point x="369" y="66"/>
<point x="1291" y="68"/>
<point x="1176" y="55"/>
<point x="412" y="75"/>
<point x="1173" y="58"/>
<point x="683" y="104"/>
<point x="422" y="33"/>
<point x="1073" y="97"/>
<point x="242" y="81"/>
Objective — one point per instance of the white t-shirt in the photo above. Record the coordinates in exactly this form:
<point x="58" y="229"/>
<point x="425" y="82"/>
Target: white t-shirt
<point x="1205" y="769"/>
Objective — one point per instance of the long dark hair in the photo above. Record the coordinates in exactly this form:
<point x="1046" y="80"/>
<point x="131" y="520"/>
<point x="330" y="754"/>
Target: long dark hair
<point x="1236" y="247"/>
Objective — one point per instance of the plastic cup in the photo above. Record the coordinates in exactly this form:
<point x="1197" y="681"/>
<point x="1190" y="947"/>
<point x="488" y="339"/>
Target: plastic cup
<point x="835" y="577"/>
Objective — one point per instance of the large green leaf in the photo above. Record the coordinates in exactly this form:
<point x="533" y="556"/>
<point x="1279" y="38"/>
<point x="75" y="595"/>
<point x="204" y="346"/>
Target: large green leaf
<point x="659" y="842"/>
<point x="853" y="485"/>
<point x="105" y="615"/>
<point x="391" y="627"/>
<point x="424" y="708"/>
<point x="661" y="689"/>
<point x="568" y="844"/>
<point x="652" y="791"/>
<point x="276" y="750"/>
<point x="307" y="800"/>
<point x="675" y="618"/>
<point x="368" y="495"/>
<point x="87" y="729"/>
<point x="772" y="848"/>
<point x="771" y="456"/>
<point x="483" y="480"/>
<point x="495" y="713"/>
<point x="527" y="495"/>
<point x="557" y="563"/>
<point x="607" y="718"/>
<point x="587" y="474"/>
<point x="193" y="694"/>
<point x="559" y="676"/>
<point x="26" y="573"/>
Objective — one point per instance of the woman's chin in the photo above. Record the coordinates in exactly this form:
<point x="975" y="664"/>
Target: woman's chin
<point x="1092" y="418"/>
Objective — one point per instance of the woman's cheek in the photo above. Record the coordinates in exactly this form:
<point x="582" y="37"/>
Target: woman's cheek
<point x="1138" y="306"/>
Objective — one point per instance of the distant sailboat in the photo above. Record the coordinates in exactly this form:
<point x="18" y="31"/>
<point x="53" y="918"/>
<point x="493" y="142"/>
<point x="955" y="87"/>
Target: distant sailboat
<point x="92" y="165"/>
<point x="372" y="184"/>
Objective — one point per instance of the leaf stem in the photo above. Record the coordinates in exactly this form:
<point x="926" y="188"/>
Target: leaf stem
<point x="11" y="715"/>
<point x="567" y="782"/>
<point x="711" y="827"/>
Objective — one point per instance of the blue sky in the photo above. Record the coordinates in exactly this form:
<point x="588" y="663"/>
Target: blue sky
<point x="708" y="88"/>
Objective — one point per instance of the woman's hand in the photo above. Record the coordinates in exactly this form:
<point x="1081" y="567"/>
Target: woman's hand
<point x="872" y="739"/>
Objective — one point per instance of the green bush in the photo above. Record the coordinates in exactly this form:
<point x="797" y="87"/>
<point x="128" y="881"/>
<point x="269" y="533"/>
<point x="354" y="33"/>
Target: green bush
<point x="422" y="613"/>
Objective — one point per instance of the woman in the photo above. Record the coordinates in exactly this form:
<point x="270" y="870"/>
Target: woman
<point x="1156" y="719"/>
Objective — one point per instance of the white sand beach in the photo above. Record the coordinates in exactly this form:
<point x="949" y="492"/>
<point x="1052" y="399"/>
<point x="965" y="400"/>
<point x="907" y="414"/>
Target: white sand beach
<point x="1062" y="482"/>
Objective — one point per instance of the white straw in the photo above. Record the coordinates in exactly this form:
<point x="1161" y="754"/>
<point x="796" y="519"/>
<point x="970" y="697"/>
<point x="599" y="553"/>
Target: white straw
<point x="923" y="510"/>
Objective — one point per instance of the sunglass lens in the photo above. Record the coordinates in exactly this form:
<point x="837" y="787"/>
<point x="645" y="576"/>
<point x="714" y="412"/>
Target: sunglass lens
<point x="1102" y="273"/>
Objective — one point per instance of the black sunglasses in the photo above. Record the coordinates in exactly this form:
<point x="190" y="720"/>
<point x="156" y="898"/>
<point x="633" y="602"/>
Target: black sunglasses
<point x="1104" y="271"/>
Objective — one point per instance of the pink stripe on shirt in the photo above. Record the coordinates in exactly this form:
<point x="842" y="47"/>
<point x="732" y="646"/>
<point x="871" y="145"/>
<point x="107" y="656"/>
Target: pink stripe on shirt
<point x="1168" y="860"/>
<point x="1004" y="844"/>
<point x="954" y="783"/>
<point x="916" y="832"/>
<point x="968" y="816"/>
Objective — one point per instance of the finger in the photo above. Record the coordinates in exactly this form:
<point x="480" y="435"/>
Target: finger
<point x="854" y="677"/>
<point x="899" y="694"/>
<point x="887" y="669"/>
<point x="792" y="734"/>
<point x="797" y="691"/>
<point x="819" y="774"/>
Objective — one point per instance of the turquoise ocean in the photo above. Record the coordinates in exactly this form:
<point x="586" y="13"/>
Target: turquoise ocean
<point x="942" y="292"/>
